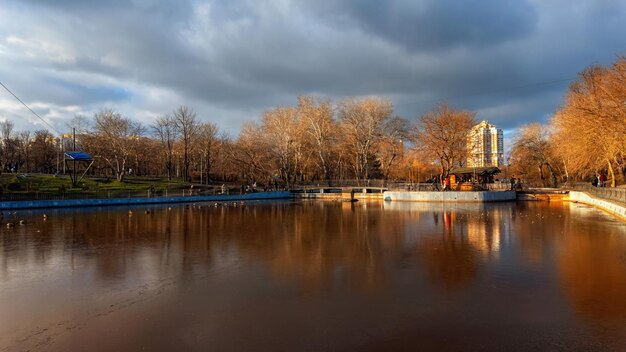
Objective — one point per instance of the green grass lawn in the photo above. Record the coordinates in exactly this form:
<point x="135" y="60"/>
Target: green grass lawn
<point x="43" y="183"/>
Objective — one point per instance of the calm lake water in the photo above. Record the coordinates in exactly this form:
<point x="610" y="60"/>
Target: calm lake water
<point x="315" y="276"/>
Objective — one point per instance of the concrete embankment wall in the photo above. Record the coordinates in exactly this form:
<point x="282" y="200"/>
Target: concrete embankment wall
<point x="608" y="206"/>
<point x="450" y="196"/>
<point x="339" y="196"/>
<point x="545" y="197"/>
<point x="10" y="205"/>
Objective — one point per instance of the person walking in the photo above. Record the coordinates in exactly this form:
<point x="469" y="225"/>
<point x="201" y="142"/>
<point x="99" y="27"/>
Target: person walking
<point x="601" y="180"/>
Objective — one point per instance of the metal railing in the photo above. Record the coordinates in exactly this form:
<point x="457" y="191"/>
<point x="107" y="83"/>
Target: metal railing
<point x="104" y="194"/>
<point x="405" y="186"/>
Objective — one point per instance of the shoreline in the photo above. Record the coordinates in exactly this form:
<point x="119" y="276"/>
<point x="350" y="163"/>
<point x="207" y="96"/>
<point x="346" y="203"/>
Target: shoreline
<point x="68" y="203"/>
<point x="613" y="208"/>
<point x="610" y="207"/>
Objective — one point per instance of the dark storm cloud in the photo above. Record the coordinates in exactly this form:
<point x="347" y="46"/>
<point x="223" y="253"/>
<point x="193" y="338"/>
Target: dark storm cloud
<point x="435" y="24"/>
<point x="232" y="59"/>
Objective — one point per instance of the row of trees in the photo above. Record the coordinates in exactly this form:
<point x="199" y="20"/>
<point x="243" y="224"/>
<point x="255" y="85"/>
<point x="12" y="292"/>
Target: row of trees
<point x="321" y="141"/>
<point x="314" y="141"/>
<point x="585" y="138"/>
<point x="26" y="150"/>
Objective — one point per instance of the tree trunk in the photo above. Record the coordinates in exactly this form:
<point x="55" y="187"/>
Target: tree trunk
<point x="553" y="175"/>
<point x="169" y="169"/>
<point x="611" y="173"/>
<point x="120" y="172"/>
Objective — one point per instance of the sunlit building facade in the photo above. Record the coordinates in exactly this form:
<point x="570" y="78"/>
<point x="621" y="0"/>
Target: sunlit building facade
<point x="485" y="146"/>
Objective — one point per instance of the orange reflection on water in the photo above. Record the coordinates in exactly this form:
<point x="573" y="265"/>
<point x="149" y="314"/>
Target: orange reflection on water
<point x="301" y="275"/>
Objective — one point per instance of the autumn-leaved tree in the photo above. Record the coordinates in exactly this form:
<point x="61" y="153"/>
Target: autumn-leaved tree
<point x="591" y="126"/>
<point x="532" y="156"/>
<point x="441" y="136"/>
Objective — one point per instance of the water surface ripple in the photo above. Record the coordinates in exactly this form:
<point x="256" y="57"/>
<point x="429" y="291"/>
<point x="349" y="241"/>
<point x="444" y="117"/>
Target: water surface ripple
<point x="314" y="276"/>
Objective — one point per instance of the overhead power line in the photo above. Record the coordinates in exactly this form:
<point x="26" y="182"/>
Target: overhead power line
<point x="29" y="109"/>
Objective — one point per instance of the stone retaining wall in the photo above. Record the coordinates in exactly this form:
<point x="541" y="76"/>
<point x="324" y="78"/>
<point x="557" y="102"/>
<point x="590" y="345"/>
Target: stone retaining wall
<point x="606" y="205"/>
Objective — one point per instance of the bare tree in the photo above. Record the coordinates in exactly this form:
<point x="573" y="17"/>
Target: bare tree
<point x="250" y="154"/>
<point x="208" y="145"/>
<point x="80" y="124"/>
<point x="391" y="146"/>
<point x="114" y="139"/>
<point x="442" y="135"/>
<point x="43" y="152"/>
<point x="362" y="124"/>
<point x="283" y="134"/>
<point x="187" y="127"/>
<point x="7" y="145"/>
<point x="322" y="129"/>
<point x="164" y="128"/>
<point x="24" y="147"/>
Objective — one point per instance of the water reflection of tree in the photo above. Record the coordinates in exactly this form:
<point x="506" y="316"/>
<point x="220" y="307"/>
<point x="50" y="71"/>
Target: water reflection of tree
<point x="316" y="244"/>
<point x="313" y="244"/>
<point x="450" y="261"/>
<point x="592" y="267"/>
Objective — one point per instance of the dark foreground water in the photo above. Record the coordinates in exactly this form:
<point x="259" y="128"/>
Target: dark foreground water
<point x="315" y="276"/>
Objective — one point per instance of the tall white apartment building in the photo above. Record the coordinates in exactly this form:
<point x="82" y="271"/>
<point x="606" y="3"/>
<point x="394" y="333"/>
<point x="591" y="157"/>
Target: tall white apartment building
<point x="485" y="146"/>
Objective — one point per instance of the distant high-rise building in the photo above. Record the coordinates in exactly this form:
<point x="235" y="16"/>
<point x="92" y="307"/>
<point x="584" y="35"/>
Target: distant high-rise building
<point x="485" y="146"/>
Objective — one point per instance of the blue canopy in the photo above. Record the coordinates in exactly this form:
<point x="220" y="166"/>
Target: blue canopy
<point x="78" y="156"/>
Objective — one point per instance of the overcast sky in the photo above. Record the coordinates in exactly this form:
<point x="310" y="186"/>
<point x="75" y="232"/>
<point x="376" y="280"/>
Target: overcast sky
<point x="507" y="60"/>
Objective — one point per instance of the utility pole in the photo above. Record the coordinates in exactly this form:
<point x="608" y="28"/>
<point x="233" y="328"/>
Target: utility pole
<point x="74" y="149"/>
<point x="58" y="154"/>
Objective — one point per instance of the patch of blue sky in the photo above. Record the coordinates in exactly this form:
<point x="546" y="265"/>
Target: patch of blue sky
<point x="92" y="93"/>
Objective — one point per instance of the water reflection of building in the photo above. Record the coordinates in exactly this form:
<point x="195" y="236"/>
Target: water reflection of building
<point x="484" y="226"/>
<point x="486" y="231"/>
<point x="452" y="239"/>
